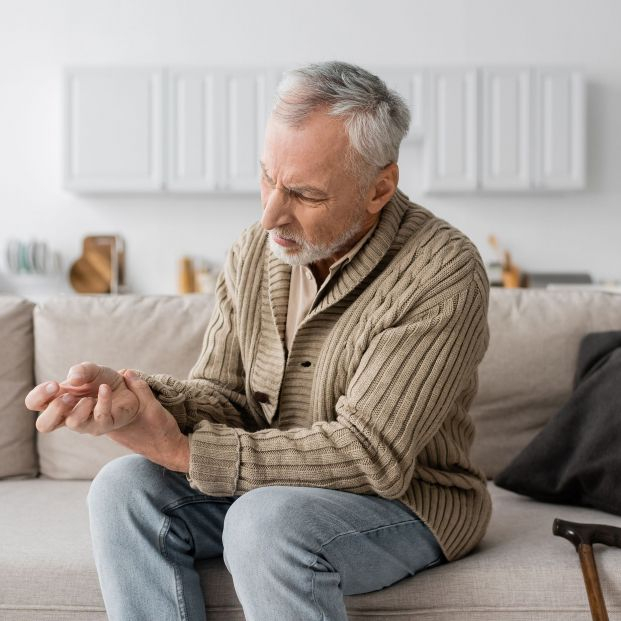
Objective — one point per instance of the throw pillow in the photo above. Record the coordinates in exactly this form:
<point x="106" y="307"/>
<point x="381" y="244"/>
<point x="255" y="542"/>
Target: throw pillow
<point x="576" y="458"/>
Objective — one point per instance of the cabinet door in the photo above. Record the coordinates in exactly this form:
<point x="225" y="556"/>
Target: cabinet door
<point x="193" y="126"/>
<point x="559" y="135"/>
<point x="246" y="97"/>
<point x="506" y="146"/>
<point x="113" y="129"/>
<point x="452" y="140"/>
<point x="410" y="85"/>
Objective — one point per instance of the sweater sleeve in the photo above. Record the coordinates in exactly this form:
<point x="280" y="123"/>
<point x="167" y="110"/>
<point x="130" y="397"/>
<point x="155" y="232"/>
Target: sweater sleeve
<point x="214" y="390"/>
<point x="390" y="410"/>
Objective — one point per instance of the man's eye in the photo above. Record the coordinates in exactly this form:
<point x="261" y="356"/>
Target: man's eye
<point x="307" y="199"/>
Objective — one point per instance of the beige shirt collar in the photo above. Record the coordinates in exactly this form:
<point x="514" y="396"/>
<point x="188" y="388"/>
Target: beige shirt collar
<point x="303" y="287"/>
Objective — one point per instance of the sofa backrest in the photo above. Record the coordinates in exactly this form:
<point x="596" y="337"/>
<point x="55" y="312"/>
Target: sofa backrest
<point x="525" y="377"/>
<point x="527" y="373"/>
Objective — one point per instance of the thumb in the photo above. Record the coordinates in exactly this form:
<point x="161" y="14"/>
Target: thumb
<point x="82" y="373"/>
<point x="137" y="385"/>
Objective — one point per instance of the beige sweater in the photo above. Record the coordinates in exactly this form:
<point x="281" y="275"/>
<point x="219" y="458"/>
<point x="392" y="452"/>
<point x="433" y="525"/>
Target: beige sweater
<point x="373" y="397"/>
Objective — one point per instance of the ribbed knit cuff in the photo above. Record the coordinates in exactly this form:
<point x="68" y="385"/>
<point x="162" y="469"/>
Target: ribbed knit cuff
<point x="169" y="396"/>
<point x="215" y="452"/>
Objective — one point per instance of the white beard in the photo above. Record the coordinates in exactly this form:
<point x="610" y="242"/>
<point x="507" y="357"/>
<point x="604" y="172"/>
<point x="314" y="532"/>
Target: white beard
<point x="305" y="253"/>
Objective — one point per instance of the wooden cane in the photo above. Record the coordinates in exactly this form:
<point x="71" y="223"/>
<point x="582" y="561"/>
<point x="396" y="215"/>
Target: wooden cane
<point x="591" y="582"/>
<point x="583" y="536"/>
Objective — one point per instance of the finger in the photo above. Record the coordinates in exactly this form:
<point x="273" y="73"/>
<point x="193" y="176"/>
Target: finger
<point x="85" y="390"/>
<point x="78" y="418"/>
<point x="102" y="413"/>
<point x="84" y="379"/>
<point x="56" y="412"/>
<point x="40" y="396"/>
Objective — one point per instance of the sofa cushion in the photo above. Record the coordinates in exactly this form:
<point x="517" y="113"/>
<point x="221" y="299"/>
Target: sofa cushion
<point x="45" y="541"/>
<point x="17" y="440"/>
<point x="528" y="370"/>
<point x="520" y="571"/>
<point x="155" y="334"/>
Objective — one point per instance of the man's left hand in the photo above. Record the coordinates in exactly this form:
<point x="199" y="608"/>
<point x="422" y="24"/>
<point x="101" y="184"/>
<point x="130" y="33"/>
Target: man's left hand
<point x="154" y="433"/>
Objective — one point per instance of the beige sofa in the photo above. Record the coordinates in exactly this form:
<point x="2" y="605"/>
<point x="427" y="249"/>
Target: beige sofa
<point x="520" y="571"/>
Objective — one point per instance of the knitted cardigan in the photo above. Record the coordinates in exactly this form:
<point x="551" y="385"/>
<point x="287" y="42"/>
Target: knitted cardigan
<point x="373" y="397"/>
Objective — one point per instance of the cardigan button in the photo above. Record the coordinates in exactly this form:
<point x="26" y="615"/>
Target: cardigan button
<point x="306" y="363"/>
<point x="261" y="397"/>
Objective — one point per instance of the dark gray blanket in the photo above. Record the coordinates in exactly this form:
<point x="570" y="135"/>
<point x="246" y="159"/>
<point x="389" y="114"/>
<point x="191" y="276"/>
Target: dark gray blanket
<point x="576" y="458"/>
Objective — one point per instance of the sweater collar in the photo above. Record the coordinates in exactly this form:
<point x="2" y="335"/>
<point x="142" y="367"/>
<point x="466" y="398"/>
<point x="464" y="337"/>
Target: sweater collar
<point x="353" y="273"/>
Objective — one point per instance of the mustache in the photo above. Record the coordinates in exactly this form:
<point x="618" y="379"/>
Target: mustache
<point x="285" y="234"/>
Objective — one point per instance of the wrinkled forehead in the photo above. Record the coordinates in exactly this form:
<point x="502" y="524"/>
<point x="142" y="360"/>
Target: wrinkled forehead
<point x="317" y="148"/>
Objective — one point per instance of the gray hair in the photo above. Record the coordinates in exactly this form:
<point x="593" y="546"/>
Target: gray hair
<point x="376" y="118"/>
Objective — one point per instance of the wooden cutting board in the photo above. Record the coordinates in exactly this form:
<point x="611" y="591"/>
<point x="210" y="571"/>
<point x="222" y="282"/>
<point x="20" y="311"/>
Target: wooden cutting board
<point x="92" y="272"/>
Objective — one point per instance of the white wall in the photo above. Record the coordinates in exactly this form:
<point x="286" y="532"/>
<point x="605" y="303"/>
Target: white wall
<point x="39" y="37"/>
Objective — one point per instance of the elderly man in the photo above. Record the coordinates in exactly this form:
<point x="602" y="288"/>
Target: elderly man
<point x="321" y="442"/>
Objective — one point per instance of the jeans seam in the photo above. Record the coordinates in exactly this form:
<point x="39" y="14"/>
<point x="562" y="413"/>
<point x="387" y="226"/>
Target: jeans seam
<point x="178" y="587"/>
<point x="315" y="558"/>
<point x="188" y="500"/>
<point x="363" y="532"/>
<point x="310" y="567"/>
<point x="438" y="561"/>
<point x="310" y="564"/>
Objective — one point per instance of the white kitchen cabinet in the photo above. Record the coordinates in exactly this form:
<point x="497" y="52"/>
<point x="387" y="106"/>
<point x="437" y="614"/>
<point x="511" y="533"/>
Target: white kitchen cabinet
<point x="245" y="101"/>
<point x="217" y="121"/>
<point x="194" y="127"/>
<point x="506" y="129"/>
<point x="452" y="139"/>
<point x="525" y="134"/>
<point x="113" y="129"/>
<point x="559" y="155"/>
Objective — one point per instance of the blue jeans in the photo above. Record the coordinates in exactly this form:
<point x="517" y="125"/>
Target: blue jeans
<point x="293" y="552"/>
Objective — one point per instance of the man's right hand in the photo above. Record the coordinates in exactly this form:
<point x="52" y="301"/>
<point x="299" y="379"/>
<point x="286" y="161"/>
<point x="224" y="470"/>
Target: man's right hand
<point x="93" y="399"/>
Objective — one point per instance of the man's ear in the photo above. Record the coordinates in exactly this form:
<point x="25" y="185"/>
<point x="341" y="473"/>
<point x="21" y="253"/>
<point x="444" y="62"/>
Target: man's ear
<point x="384" y="187"/>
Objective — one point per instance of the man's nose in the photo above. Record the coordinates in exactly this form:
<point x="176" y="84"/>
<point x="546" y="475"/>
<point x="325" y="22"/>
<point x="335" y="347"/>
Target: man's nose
<point x="277" y="209"/>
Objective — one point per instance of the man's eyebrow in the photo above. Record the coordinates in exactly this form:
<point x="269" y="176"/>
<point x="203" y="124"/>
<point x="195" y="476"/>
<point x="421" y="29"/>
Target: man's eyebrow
<point x="306" y="189"/>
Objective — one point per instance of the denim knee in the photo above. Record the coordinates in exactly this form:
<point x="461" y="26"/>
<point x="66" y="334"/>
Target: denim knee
<point x="259" y="522"/>
<point x="119" y="480"/>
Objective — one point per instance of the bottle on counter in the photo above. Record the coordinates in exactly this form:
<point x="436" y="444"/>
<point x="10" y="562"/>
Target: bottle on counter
<point x="186" y="275"/>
